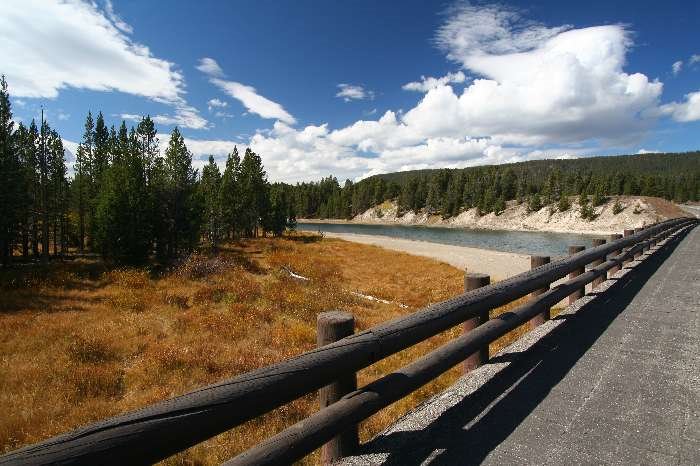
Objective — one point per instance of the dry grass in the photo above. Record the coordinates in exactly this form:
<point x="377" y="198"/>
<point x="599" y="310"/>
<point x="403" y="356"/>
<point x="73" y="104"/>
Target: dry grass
<point x="80" y="342"/>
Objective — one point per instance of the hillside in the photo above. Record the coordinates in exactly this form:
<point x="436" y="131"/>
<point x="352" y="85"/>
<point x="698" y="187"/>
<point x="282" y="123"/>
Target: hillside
<point x="448" y="192"/>
<point x="638" y="164"/>
<point x="636" y="212"/>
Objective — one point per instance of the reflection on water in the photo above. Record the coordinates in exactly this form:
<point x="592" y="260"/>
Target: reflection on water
<point x="521" y="242"/>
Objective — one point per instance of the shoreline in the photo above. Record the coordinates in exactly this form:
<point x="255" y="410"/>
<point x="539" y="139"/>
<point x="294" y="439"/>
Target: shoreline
<point x="613" y="216"/>
<point x="335" y="221"/>
<point x="499" y="265"/>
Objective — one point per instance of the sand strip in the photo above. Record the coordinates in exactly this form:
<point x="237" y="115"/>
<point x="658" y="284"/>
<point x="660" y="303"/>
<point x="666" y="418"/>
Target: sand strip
<point x="498" y="265"/>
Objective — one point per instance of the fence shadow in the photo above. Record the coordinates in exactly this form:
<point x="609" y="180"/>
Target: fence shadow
<point x="525" y="383"/>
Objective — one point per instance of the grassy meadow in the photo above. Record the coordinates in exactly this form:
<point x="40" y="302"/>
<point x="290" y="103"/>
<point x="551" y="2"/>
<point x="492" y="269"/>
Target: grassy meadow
<point x="80" y="341"/>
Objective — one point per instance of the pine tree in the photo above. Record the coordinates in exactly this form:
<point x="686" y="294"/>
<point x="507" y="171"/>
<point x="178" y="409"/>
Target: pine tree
<point x="210" y="186"/>
<point x="276" y="218"/>
<point x="183" y="210"/>
<point x="10" y="177"/>
<point x="82" y="181"/>
<point x="123" y="220"/>
<point x="230" y="194"/>
<point x="254" y="195"/>
<point x="58" y="190"/>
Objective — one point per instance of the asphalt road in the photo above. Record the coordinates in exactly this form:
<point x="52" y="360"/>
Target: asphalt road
<point x="617" y="382"/>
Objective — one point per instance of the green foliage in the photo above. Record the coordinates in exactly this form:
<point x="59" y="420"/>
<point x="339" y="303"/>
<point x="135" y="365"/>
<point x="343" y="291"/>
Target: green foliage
<point x="449" y="191"/>
<point x="564" y="204"/>
<point x="617" y="208"/>
<point x="534" y="203"/>
<point x="210" y="187"/>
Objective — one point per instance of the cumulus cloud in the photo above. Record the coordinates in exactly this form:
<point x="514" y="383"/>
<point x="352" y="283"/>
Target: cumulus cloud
<point x="247" y="95"/>
<point x="695" y="58"/>
<point x="349" y="92"/>
<point x="538" y="84"/>
<point x="677" y="67"/>
<point x="78" y="45"/>
<point x="427" y="83"/>
<point x="686" y="111"/>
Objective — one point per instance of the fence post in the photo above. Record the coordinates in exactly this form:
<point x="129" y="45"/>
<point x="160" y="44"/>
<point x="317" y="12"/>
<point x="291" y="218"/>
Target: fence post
<point x="539" y="319"/>
<point x="596" y="282"/>
<point x="332" y="326"/>
<point x="575" y="273"/>
<point x="628" y="232"/>
<point x="639" y="252"/>
<point x="473" y="281"/>
<point x="615" y="268"/>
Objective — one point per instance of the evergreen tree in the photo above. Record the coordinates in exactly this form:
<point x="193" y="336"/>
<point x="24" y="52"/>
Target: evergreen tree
<point x="182" y="206"/>
<point x="230" y="194"/>
<point x="123" y="220"/>
<point x="82" y="182"/>
<point x="10" y="178"/>
<point x="210" y="186"/>
<point x="254" y="196"/>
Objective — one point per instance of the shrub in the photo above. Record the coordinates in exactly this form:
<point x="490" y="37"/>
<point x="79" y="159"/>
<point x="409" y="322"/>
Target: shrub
<point x="564" y="204"/>
<point x="587" y="212"/>
<point x="617" y="208"/>
<point x="534" y="204"/>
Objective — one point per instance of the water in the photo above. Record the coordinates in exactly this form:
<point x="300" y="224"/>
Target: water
<point x="521" y="242"/>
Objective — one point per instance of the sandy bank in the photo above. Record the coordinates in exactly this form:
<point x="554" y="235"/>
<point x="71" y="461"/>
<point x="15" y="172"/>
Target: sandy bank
<point x="637" y="211"/>
<point x="498" y="264"/>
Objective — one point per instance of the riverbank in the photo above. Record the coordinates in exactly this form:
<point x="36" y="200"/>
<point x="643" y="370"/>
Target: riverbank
<point x="637" y="212"/>
<point x="499" y="265"/>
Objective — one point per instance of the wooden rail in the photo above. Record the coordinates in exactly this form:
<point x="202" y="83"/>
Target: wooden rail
<point x="160" y="430"/>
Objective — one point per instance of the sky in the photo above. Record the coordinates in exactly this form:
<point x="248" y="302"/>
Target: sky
<point x="361" y="87"/>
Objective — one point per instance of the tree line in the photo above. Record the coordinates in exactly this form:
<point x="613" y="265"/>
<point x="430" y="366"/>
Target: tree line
<point x="125" y="200"/>
<point x="540" y="183"/>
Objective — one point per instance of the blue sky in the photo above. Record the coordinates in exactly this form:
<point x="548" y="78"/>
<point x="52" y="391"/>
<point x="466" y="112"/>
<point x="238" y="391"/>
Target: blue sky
<point x="363" y="87"/>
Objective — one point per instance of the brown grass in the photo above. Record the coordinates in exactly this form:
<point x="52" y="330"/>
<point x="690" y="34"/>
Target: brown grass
<point x="80" y="342"/>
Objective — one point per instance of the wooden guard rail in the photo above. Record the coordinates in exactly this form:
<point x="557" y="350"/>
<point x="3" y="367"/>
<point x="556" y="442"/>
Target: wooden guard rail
<point x="157" y="431"/>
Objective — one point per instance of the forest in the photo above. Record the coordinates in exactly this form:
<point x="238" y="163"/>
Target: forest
<point x="125" y="200"/>
<point x="539" y="183"/>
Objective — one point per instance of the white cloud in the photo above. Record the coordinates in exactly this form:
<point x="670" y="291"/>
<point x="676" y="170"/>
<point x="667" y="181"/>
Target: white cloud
<point x="216" y="103"/>
<point x="76" y="44"/>
<point x="247" y="95"/>
<point x="350" y="92"/>
<point x="63" y="116"/>
<point x="695" y="58"/>
<point x="539" y="84"/>
<point x="688" y="110"/>
<point x="427" y="83"/>
<point x="70" y="148"/>
<point x="677" y="67"/>
<point x="184" y="116"/>
<point x="72" y="44"/>
<point x="254" y="102"/>
<point x="116" y="19"/>
<point x="211" y="67"/>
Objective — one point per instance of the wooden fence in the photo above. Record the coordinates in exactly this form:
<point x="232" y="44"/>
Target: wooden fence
<point x="155" y="432"/>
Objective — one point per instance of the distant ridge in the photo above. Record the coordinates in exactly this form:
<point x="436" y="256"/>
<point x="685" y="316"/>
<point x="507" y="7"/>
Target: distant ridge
<point x="662" y="163"/>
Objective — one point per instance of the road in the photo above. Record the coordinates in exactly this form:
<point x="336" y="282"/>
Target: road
<point x="616" y="381"/>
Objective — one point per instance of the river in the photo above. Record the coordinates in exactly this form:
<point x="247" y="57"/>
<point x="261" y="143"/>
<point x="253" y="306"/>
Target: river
<point x="520" y="242"/>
